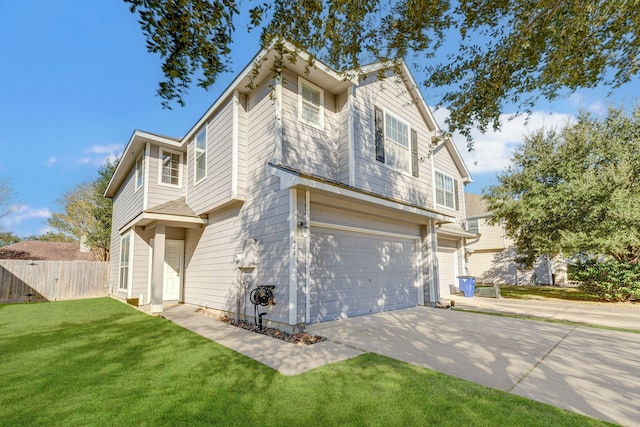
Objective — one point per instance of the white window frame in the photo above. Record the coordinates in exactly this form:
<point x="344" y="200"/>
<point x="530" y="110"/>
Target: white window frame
<point x="444" y="190"/>
<point x="164" y="151"/>
<point x="139" y="175"/>
<point x="304" y="104"/>
<point x="391" y="145"/>
<point x="125" y="262"/>
<point x="198" y="153"/>
<point x="476" y="229"/>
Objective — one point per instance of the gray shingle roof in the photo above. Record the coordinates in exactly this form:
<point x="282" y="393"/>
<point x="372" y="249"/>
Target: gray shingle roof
<point x="475" y="206"/>
<point x="175" y="207"/>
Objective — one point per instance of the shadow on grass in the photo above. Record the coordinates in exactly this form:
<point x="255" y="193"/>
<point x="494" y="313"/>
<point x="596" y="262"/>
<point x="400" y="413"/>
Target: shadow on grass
<point x="103" y="363"/>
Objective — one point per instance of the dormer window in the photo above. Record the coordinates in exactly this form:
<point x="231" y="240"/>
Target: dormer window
<point x="310" y="104"/>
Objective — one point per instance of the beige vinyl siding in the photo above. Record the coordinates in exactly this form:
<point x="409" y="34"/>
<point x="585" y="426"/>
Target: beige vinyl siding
<point x="215" y="189"/>
<point x="391" y="95"/>
<point x="492" y="266"/>
<point x="127" y="204"/>
<point x="242" y="146"/>
<point x="342" y="120"/>
<point x="342" y="213"/>
<point x="210" y="271"/>
<point x="261" y="114"/>
<point x="266" y="214"/>
<point x="162" y="193"/>
<point x="305" y="147"/>
<point x="211" y="275"/>
<point x="491" y="237"/>
<point x="114" y="261"/>
<point x="140" y="277"/>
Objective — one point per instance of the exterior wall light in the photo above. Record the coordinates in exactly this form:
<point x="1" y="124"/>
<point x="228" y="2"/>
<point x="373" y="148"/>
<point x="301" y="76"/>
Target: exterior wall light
<point x="304" y="228"/>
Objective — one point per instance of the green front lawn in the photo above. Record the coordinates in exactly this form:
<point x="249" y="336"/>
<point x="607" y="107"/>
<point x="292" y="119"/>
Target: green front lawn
<point x="100" y="362"/>
<point x="536" y="292"/>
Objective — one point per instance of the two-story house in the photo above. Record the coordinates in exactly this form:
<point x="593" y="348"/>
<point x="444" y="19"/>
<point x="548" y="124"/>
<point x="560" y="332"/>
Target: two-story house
<point x="492" y="256"/>
<point x="335" y="190"/>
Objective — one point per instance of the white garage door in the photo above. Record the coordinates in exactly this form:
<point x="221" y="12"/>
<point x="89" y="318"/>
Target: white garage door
<point x="446" y="270"/>
<point x="356" y="273"/>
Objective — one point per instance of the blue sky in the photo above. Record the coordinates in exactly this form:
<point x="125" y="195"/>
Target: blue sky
<point x="76" y="81"/>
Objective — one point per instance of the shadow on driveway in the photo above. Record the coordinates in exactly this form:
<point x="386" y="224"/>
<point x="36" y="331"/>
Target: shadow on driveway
<point x="589" y="371"/>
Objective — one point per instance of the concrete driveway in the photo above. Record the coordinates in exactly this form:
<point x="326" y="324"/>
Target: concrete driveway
<point x="589" y="371"/>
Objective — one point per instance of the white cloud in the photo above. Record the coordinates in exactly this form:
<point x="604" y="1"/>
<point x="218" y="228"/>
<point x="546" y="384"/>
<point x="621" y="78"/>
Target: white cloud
<point x="579" y="102"/>
<point x="104" y="149"/>
<point x="99" y="154"/>
<point x="20" y="213"/>
<point x="493" y="150"/>
<point x="96" y="155"/>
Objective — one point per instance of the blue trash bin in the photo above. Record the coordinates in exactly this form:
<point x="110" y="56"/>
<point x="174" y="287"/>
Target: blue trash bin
<point x="467" y="285"/>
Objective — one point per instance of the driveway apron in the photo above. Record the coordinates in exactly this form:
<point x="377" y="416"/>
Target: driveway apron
<point x="589" y="371"/>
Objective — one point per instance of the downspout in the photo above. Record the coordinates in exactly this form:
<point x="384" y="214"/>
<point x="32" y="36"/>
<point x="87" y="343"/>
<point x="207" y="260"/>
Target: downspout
<point x="293" y="255"/>
<point x="307" y="259"/>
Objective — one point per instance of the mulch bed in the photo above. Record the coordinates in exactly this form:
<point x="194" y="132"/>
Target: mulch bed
<point x="301" y="338"/>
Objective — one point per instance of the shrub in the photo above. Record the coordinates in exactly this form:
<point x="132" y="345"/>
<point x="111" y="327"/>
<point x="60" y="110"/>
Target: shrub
<point x="610" y="280"/>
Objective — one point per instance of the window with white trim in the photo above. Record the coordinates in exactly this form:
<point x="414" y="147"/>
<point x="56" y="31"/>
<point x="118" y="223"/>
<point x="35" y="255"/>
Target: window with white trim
<point x="170" y="168"/>
<point x="125" y="255"/>
<point x="140" y="171"/>
<point x="473" y="226"/>
<point x="201" y="155"/>
<point x="446" y="191"/>
<point x="398" y="153"/>
<point x="396" y="144"/>
<point x="310" y="104"/>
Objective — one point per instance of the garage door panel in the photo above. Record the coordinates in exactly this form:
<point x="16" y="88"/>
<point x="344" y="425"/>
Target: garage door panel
<point x="364" y="274"/>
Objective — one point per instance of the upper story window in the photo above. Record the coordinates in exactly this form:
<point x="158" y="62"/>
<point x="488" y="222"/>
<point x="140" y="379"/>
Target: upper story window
<point x="310" y="104"/>
<point x="396" y="143"/>
<point x="446" y="191"/>
<point x="140" y="171"/>
<point x="171" y="168"/>
<point x="125" y="252"/>
<point x="201" y="155"/>
<point x="473" y="226"/>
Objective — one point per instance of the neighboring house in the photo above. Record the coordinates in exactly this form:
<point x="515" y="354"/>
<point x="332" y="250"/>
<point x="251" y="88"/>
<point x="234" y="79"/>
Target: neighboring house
<point x="46" y="251"/>
<point x="491" y="255"/>
<point x="336" y="191"/>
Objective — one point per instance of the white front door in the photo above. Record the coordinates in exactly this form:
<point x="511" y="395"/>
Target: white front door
<point x="447" y="271"/>
<point x="173" y="269"/>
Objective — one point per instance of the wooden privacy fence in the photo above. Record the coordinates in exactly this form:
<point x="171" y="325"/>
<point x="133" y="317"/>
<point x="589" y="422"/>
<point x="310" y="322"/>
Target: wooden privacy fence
<point x="33" y="280"/>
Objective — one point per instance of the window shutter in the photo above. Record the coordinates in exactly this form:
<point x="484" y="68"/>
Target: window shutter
<point x="455" y="194"/>
<point x="414" y="153"/>
<point x="379" y="117"/>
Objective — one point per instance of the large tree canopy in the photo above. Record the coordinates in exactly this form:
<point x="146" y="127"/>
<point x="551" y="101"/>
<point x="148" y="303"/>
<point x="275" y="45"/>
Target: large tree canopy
<point x="481" y="54"/>
<point x="86" y="213"/>
<point x="576" y="190"/>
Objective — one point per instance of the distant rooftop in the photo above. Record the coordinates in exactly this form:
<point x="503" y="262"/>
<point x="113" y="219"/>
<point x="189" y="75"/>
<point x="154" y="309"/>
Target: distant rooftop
<point x="475" y="206"/>
<point x="45" y="251"/>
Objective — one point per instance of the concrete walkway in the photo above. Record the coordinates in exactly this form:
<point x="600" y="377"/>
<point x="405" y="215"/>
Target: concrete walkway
<point x="285" y="357"/>
<point x="616" y="315"/>
<point x="585" y="370"/>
